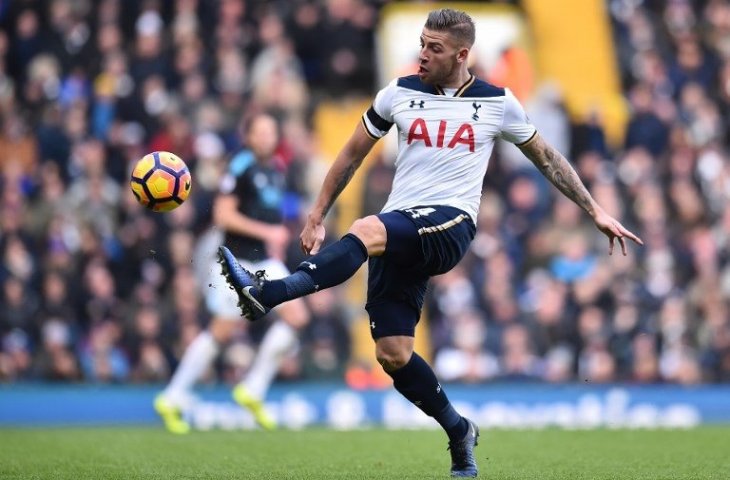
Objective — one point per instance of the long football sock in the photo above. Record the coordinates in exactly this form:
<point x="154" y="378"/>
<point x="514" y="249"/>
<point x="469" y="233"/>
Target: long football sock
<point x="331" y="266"/>
<point x="417" y="382"/>
<point x="195" y="361"/>
<point x="279" y="340"/>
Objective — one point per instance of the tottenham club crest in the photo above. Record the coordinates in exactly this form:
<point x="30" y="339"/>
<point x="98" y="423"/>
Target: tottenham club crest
<point x="476" y="107"/>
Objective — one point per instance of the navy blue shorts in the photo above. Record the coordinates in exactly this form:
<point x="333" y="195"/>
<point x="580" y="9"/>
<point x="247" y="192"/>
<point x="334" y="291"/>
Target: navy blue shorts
<point x="422" y="242"/>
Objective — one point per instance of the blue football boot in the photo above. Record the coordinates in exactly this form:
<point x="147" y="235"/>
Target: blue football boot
<point x="463" y="463"/>
<point x="245" y="283"/>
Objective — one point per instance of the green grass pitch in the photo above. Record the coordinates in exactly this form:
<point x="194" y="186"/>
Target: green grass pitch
<point x="150" y="453"/>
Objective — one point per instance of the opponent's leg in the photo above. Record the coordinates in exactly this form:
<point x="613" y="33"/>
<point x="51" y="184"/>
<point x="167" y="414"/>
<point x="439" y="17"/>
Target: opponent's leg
<point x="195" y="362"/>
<point x="331" y="266"/>
<point x="280" y="339"/>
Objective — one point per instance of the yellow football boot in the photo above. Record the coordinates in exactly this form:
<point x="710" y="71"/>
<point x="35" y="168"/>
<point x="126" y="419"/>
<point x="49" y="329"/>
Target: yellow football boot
<point x="171" y="416"/>
<point x="244" y="398"/>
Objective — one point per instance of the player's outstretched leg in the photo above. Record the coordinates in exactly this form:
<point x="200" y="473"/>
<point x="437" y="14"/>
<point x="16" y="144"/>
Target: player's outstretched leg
<point x="331" y="266"/>
<point x="244" y="283"/>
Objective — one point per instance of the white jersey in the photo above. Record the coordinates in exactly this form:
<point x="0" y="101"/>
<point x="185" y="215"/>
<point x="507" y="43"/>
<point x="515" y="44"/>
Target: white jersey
<point x="444" y="141"/>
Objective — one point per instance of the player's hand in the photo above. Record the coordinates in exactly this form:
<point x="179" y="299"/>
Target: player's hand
<point x="277" y="240"/>
<point x="613" y="229"/>
<point x="312" y="236"/>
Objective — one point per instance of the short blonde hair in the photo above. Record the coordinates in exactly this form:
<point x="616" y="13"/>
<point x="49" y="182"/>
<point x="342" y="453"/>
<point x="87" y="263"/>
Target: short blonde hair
<point x="457" y="23"/>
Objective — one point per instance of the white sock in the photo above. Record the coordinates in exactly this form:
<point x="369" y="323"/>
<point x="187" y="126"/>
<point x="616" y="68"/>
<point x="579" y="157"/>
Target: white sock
<point x="279" y="340"/>
<point x="195" y="361"/>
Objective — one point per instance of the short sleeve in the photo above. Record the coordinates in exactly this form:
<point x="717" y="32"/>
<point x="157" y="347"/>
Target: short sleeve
<point x="516" y="127"/>
<point x="227" y="184"/>
<point x="378" y="119"/>
<point x="234" y="180"/>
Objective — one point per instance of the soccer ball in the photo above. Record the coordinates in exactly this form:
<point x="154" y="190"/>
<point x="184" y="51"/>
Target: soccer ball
<point x="161" y="181"/>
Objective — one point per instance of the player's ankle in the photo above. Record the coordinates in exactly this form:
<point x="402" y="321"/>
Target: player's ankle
<point x="270" y="293"/>
<point x="458" y="431"/>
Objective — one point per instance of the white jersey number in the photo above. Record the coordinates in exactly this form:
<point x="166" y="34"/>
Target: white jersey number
<point x="420" y="212"/>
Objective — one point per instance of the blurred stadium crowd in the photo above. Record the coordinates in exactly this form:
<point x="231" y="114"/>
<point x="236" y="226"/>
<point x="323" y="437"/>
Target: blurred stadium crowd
<point x="95" y="288"/>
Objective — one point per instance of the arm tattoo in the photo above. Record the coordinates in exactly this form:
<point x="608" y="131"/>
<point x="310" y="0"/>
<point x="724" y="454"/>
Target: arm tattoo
<point x="341" y="182"/>
<point x="339" y="175"/>
<point x="558" y="170"/>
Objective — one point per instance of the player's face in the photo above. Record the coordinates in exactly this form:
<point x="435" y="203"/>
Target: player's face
<point x="439" y="57"/>
<point x="263" y="137"/>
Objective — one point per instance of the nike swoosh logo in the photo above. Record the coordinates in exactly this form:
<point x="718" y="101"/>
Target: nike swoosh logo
<point x="246" y="291"/>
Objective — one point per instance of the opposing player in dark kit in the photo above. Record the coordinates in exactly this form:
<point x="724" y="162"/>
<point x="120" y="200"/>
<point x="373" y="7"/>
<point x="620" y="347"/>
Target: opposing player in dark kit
<point x="248" y="211"/>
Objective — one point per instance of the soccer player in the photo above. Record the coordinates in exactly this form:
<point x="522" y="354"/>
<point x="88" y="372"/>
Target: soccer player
<point x="447" y="123"/>
<point x="248" y="210"/>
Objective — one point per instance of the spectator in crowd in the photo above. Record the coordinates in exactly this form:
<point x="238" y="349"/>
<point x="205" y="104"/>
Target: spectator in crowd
<point x="55" y="361"/>
<point x="87" y="88"/>
<point x="326" y="339"/>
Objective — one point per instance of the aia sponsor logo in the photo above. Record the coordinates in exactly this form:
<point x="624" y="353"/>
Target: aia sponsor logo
<point x="419" y="133"/>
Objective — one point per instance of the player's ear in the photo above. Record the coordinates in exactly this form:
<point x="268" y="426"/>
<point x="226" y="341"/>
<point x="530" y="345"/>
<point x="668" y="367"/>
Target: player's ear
<point x="462" y="55"/>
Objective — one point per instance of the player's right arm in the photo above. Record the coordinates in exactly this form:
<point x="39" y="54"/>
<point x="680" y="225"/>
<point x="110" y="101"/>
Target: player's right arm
<point x="374" y="125"/>
<point x="339" y="175"/>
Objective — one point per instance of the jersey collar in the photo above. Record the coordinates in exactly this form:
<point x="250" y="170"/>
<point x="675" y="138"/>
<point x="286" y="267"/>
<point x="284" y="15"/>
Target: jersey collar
<point x="459" y="91"/>
<point x="466" y="86"/>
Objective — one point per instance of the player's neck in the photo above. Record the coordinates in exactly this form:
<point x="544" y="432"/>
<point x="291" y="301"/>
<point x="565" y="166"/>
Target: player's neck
<point x="458" y="80"/>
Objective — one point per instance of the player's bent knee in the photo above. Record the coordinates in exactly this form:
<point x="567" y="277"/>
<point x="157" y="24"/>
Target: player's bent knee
<point x="392" y="356"/>
<point x="391" y="362"/>
<point x="371" y="232"/>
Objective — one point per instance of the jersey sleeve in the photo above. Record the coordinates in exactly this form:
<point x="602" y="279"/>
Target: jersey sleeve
<point x="378" y="119"/>
<point x="516" y="127"/>
<point x="235" y="180"/>
<point x="227" y="184"/>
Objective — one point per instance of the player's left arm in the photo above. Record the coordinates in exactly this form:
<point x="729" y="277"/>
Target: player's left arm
<point x="554" y="166"/>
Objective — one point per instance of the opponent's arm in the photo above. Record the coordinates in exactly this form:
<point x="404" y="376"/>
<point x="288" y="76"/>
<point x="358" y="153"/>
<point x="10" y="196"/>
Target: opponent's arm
<point x="339" y="175"/>
<point x="553" y="165"/>
<point x="227" y="217"/>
